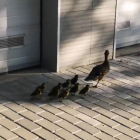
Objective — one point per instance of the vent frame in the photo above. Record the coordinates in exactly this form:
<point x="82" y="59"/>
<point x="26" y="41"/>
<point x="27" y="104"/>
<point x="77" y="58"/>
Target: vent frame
<point x="11" y="42"/>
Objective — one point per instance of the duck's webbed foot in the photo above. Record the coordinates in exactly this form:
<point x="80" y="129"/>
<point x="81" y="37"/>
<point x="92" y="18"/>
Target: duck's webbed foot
<point x="96" y="86"/>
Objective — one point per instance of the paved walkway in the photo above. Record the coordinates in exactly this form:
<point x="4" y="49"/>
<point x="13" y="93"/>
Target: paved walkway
<point x="111" y="112"/>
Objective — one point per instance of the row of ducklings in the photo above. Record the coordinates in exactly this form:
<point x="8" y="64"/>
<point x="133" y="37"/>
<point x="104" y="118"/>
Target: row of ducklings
<point x="62" y="91"/>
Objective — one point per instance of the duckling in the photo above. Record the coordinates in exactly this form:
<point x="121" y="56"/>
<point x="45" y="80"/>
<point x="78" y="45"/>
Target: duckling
<point x="42" y="87"/>
<point x="84" y="91"/>
<point x="99" y="71"/>
<point x="66" y="84"/>
<point x="74" y="80"/>
<point x="55" y="90"/>
<point x="36" y="93"/>
<point x="64" y="95"/>
<point x="75" y="88"/>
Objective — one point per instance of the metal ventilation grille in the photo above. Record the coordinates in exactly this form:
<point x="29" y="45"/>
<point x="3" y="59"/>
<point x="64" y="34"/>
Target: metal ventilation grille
<point x="9" y="42"/>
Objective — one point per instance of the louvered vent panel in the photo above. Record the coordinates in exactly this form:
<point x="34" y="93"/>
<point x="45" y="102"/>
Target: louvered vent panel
<point x="9" y="42"/>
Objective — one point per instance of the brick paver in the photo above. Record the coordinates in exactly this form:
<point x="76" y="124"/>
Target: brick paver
<point x="11" y="115"/>
<point x="107" y="121"/>
<point x="109" y="130"/>
<point x="106" y="113"/>
<point x="105" y="99"/>
<point x="87" y="119"/>
<point x="2" y="108"/>
<point x="123" y="107"/>
<point x="104" y="136"/>
<point x="90" y="99"/>
<point x="56" y="104"/>
<point x="68" y="126"/>
<point x="25" y="134"/>
<point x="123" y="137"/>
<point x="110" y="112"/>
<point x="52" y="109"/>
<point x="87" y="104"/>
<point x="88" y="112"/>
<point x="71" y="104"/>
<point x="2" y="138"/>
<point x="15" y="107"/>
<point x="33" y="108"/>
<point x="88" y="128"/>
<point x="27" y="124"/>
<point x="135" y="106"/>
<point x="124" y="114"/>
<point x="50" y="117"/>
<point x="105" y="105"/>
<point x="66" y="135"/>
<point x="45" y="134"/>
<point x="125" y="122"/>
<point x="136" y="120"/>
<point x="127" y="131"/>
<point x="48" y="125"/>
<point x="9" y="124"/>
<point x="70" y="111"/>
<point x="2" y="117"/>
<point x="122" y="101"/>
<point x="31" y="116"/>
<point x="85" y="136"/>
<point x="69" y="118"/>
<point x="7" y="134"/>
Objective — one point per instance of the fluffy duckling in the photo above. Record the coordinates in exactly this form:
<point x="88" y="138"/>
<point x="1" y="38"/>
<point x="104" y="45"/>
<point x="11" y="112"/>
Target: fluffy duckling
<point x="84" y="91"/>
<point x="66" y="84"/>
<point x="74" y="80"/>
<point x="99" y="71"/>
<point x="74" y="89"/>
<point x="55" y="90"/>
<point x="42" y="87"/>
<point x="36" y="93"/>
<point x="64" y="95"/>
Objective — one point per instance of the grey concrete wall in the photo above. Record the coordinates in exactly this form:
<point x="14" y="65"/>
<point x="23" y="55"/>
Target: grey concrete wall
<point x="128" y="23"/>
<point x="50" y="38"/>
<point x="20" y="17"/>
<point x="87" y="30"/>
